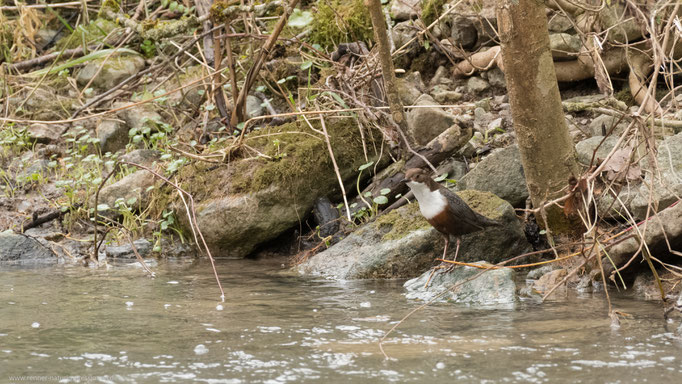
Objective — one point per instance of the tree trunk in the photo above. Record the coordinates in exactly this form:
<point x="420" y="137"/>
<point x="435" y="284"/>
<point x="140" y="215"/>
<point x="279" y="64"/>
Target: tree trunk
<point x="388" y="72"/>
<point x="547" y="151"/>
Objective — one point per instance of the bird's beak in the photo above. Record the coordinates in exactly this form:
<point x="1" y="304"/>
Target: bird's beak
<point x="404" y="180"/>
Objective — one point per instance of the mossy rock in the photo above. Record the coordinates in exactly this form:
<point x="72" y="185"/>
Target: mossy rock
<point x="251" y="201"/>
<point x="403" y="244"/>
<point x="341" y="21"/>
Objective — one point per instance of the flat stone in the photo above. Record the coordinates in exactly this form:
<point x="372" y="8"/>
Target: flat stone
<point x="133" y="186"/>
<point x="145" y="157"/>
<point x="45" y="134"/>
<point x="669" y="185"/>
<point x="606" y="123"/>
<point x="559" y="23"/>
<point x="466" y="285"/>
<point x="139" y="117"/>
<point x="125" y="251"/>
<point x="496" y="78"/>
<point x="254" y="107"/>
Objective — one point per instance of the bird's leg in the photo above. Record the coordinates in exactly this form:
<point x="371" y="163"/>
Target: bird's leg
<point x="447" y="242"/>
<point x="456" y="250"/>
<point x="445" y="252"/>
<point x="452" y="266"/>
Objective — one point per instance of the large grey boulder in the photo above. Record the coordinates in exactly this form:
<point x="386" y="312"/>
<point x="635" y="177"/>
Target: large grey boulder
<point x="663" y="229"/>
<point x="106" y="73"/>
<point x="249" y="202"/>
<point x="402" y="243"/>
<point x="427" y="123"/>
<point x="500" y="173"/>
<point x="16" y="248"/>
<point x="668" y="186"/>
<point x="586" y="148"/>
<point x="466" y="285"/>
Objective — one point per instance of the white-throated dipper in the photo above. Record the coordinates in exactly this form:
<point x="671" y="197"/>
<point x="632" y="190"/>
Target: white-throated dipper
<point x="443" y="209"/>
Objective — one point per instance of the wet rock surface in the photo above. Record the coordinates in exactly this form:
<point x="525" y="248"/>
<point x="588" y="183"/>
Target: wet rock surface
<point x="403" y="244"/>
<point x="16" y="248"/>
<point x="465" y="285"/>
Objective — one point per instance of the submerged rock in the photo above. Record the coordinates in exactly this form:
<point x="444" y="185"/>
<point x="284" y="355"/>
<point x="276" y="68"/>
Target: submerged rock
<point x="18" y="248"/>
<point x="466" y="285"/>
<point x="403" y="244"/>
<point x="125" y="251"/>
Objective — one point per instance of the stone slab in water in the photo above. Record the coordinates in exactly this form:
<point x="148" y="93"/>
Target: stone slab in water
<point x="492" y="287"/>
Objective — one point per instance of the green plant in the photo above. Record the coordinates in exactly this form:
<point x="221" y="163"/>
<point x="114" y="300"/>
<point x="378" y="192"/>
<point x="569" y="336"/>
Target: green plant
<point x="14" y="140"/>
<point x="370" y="209"/>
<point x="148" y="47"/>
<point x="167" y="222"/>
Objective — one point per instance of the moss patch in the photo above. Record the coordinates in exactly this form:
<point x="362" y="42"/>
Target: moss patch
<point x="485" y="203"/>
<point x="401" y="222"/>
<point x="338" y="21"/>
<point x="301" y="165"/>
<point x="431" y="10"/>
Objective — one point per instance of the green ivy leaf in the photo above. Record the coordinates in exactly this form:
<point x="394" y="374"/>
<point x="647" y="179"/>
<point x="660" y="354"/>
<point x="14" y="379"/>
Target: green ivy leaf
<point x="385" y="191"/>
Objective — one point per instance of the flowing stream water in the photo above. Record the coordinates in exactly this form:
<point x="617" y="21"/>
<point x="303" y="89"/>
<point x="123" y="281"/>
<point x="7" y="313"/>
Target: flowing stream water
<point x="69" y="324"/>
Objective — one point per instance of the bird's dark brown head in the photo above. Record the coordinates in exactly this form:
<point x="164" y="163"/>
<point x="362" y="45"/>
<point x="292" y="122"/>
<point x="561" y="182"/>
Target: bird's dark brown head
<point x="417" y="175"/>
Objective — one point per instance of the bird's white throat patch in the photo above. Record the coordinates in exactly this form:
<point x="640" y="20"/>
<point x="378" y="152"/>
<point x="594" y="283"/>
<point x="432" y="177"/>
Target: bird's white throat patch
<point x="431" y="203"/>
